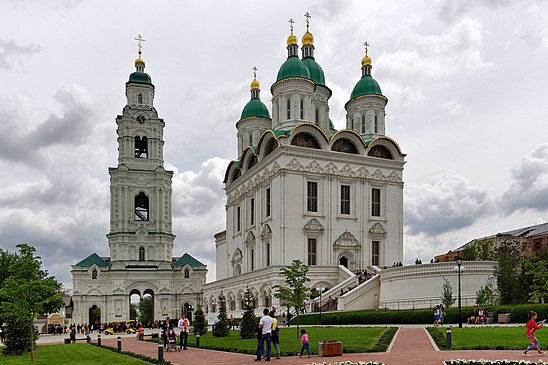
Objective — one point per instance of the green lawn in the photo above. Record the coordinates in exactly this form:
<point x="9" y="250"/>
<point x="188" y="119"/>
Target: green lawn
<point x="355" y="339"/>
<point x="499" y="338"/>
<point x="81" y="354"/>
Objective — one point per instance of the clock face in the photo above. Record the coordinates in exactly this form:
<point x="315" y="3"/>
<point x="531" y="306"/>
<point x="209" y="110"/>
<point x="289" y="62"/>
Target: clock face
<point x="141" y="119"/>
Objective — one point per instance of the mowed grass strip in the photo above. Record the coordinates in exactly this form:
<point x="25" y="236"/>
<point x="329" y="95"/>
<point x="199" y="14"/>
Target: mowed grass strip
<point x="81" y="354"/>
<point x="354" y="339"/>
<point x="494" y="338"/>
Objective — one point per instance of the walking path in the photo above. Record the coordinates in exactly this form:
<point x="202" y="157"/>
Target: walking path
<point x="411" y="345"/>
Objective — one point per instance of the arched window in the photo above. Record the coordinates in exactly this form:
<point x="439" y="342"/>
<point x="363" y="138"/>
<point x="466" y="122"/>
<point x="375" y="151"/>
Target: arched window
<point x="187" y="273"/>
<point x="288" y="108"/>
<point x="302" y="108"/>
<point x="140" y="98"/>
<point x="94" y="274"/>
<point x="305" y="140"/>
<point x="141" y="147"/>
<point x="252" y="162"/>
<point x="344" y="145"/>
<point x="237" y="270"/>
<point x="141" y="207"/>
<point x="141" y="254"/>
<point x="271" y="146"/>
<point x="380" y="152"/>
<point x="363" y="123"/>
<point x="376" y="127"/>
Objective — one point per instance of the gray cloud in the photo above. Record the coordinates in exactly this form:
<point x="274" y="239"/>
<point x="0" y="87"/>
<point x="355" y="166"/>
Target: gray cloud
<point x="11" y="52"/>
<point x="529" y="190"/>
<point x="446" y="203"/>
<point x="19" y="143"/>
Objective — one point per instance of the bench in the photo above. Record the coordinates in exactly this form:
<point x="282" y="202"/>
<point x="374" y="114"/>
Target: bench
<point x="68" y="340"/>
<point x="151" y="335"/>
<point x="488" y="319"/>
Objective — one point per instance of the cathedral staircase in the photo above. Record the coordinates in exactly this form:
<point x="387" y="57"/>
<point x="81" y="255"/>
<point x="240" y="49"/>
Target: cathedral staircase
<point x="350" y="294"/>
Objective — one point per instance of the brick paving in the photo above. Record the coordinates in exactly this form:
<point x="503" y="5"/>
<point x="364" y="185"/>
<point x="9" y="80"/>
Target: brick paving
<point x="411" y="345"/>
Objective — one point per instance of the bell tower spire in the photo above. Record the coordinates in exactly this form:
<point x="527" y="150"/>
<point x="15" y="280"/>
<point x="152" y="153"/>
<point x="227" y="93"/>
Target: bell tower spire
<point x="140" y="187"/>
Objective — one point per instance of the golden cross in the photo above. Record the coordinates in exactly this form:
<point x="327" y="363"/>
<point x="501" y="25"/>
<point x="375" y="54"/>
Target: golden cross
<point x="254" y="72"/>
<point x="307" y="16"/>
<point x="366" y="45"/>
<point x="140" y="39"/>
<point x="291" y="22"/>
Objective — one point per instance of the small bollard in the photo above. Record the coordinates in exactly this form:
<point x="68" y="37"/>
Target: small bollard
<point x="448" y="338"/>
<point x="88" y="339"/>
<point x="197" y="340"/>
<point x="99" y="340"/>
<point x="160" y="354"/>
<point x="119" y="344"/>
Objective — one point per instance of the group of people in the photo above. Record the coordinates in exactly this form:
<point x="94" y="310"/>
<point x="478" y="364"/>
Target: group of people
<point x="168" y="331"/>
<point x="439" y="315"/>
<point x="479" y="316"/>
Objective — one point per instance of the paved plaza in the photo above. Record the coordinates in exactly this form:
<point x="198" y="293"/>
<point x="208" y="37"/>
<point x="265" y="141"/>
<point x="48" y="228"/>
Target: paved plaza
<point x="411" y="345"/>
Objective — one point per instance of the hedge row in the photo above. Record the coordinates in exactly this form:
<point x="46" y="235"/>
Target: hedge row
<point x="518" y="314"/>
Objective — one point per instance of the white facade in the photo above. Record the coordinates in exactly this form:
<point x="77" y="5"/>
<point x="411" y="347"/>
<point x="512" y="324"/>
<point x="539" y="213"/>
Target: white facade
<point x="332" y="199"/>
<point x="140" y="237"/>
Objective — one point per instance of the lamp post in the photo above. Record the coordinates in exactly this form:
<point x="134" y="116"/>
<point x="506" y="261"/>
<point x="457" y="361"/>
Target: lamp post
<point x="459" y="269"/>
<point x="320" y="289"/>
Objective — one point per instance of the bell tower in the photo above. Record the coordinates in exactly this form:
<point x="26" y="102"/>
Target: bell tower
<point x="140" y="188"/>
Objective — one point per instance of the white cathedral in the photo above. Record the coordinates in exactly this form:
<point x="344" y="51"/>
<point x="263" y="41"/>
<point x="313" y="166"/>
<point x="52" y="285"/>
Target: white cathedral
<point x="141" y="237"/>
<point x="302" y="190"/>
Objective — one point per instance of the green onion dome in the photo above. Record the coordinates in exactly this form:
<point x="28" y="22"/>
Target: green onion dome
<point x="293" y="67"/>
<point x="316" y="72"/>
<point x="140" y="76"/>
<point x="255" y="108"/>
<point x="366" y="86"/>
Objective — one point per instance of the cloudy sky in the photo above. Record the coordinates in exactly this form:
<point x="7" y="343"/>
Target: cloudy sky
<point x="466" y="82"/>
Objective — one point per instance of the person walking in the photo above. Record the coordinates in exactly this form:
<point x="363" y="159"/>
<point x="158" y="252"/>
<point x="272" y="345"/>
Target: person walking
<point x="265" y="325"/>
<point x="183" y="327"/>
<point x="275" y="334"/>
<point x="304" y="343"/>
<point x="533" y="326"/>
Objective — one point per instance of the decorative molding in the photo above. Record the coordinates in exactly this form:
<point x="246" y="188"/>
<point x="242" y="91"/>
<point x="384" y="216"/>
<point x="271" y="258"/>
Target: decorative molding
<point x="346" y="239"/>
<point x="237" y="256"/>
<point x="378" y="229"/>
<point x="313" y="225"/>
<point x="266" y="232"/>
<point x="250" y="239"/>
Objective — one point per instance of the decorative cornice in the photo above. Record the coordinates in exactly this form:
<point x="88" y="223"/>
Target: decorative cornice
<point x="313" y="225"/>
<point x="378" y="229"/>
<point x="266" y="232"/>
<point x="346" y="239"/>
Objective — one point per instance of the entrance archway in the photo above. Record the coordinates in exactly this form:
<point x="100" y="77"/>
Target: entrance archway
<point x="187" y="310"/>
<point x="134" y="300"/>
<point x="343" y="261"/>
<point x="94" y="315"/>
<point x="146" y="306"/>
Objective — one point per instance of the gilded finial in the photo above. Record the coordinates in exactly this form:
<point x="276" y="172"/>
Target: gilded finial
<point x="255" y="83"/>
<point x="366" y="61"/>
<point x="140" y="39"/>
<point x="292" y="39"/>
<point x="307" y="16"/>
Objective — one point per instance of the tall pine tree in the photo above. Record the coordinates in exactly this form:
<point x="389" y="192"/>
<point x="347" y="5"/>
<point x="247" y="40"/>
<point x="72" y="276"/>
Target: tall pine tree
<point x="222" y="326"/>
<point x="249" y="321"/>
<point x="200" y="322"/>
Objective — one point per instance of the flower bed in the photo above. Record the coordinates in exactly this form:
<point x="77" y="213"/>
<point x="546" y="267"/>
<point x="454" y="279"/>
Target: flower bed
<point x="494" y="362"/>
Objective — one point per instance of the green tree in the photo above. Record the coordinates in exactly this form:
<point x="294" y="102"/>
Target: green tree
<point x="27" y="292"/>
<point x="132" y="311"/>
<point x="508" y="274"/>
<point x="447" y="297"/>
<point x="249" y="321"/>
<point x="146" y="309"/>
<point x="536" y="273"/>
<point x="6" y="260"/>
<point x="294" y="292"/>
<point x="200" y="322"/>
<point x="487" y="294"/>
<point x="222" y="326"/>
